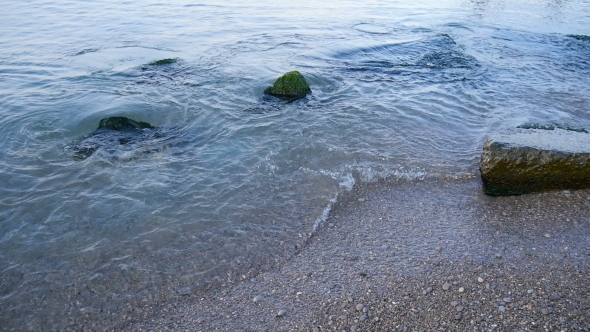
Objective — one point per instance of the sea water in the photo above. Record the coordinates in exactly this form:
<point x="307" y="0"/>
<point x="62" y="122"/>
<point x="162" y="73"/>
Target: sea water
<point x="238" y="182"/>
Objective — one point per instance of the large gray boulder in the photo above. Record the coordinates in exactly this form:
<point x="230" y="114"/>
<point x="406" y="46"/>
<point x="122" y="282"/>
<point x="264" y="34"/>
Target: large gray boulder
<point x="521" y="161"/>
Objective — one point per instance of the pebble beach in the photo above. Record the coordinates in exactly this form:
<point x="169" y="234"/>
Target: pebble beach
<point x="422" y="255"/>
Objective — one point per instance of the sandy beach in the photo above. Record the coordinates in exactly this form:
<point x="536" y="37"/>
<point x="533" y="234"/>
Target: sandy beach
<point x="430" y="255"/>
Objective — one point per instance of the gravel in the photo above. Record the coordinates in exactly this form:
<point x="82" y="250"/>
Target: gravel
<point x="372" y="270"/>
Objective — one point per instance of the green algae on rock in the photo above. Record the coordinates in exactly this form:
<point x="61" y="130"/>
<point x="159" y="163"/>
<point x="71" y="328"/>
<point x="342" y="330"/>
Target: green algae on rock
<point x="121" y="123"/>
<point x="163" y="62"/>
<point x="290" y="86"/>
<point x="531" y="160"/>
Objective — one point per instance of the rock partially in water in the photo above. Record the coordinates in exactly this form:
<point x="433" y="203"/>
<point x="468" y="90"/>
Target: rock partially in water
<point x="521" y="161"/>
<point x="117" y="136"/>
<point x="122" y="123"/>
<point x="290" y="86"/>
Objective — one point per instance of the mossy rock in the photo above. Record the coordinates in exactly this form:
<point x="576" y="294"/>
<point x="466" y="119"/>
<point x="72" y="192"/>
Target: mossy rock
<point x="522" y="161"/>
<point x="163" y="62"/>
<point x="290" y="86"/>
<point x="121" y="123"/>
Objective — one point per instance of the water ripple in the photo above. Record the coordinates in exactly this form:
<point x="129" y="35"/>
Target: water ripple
<point x="231" y="183"/>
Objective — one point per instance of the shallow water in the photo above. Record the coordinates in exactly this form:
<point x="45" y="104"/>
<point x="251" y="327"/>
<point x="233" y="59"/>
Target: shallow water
<point x="238" y="182"/>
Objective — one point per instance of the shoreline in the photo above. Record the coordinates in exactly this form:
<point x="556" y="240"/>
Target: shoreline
<point x="416" y="255"/>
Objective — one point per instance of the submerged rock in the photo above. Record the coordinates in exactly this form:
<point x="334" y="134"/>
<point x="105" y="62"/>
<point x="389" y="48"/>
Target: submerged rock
<point x="580" y="37"/>
<point x="527" y="160"/>
<point x="122" y="123"/>
<point x="290" y="86"/>
<point x="551" y="127"/>
<point x="447" y="60"/>
<point x="163" y="62"/>
<point x="116" y="136"/>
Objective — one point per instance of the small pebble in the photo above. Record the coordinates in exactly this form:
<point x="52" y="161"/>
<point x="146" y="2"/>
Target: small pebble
<point x="454" y="303"/>
<point x="364" y="318"/>
<point x="547" y="235"/>
<point x="257" y="298"/>
<point x="446" y="286"/>
<point x="315" y="329"/>
<point x="498" y="256"/>
<point x="458" y="316"/>
<point x="480" y="279"/>
<point x="530" y="291"/>
<point x="507" y="299"/>
<point x="353" y="328"/>
<point x="376" y="319"/>
<point x="427" y="290"/>
<point x="460" y="308"/>
<point x="281" y="313"/>
<point x="502" y="308"/>
<point x="359" y="307"/>
<point x="439" y="249"/>
<point x="461" y="289"/>
<point x="554" y="296"/>
<point x="545" y="311"/>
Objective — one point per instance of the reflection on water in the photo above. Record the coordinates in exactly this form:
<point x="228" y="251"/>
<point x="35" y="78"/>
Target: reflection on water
<point x="525" y="13"/>
<point x="481" y="6"/>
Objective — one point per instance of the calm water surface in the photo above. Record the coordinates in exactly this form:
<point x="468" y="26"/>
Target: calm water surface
<point x="236" y="183"/>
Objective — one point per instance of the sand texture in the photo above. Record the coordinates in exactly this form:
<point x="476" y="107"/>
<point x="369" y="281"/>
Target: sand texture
<point x="427" y="255"/>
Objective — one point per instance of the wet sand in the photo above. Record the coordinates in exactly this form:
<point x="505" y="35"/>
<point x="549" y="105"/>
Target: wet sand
<point x="433" y="255"/>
